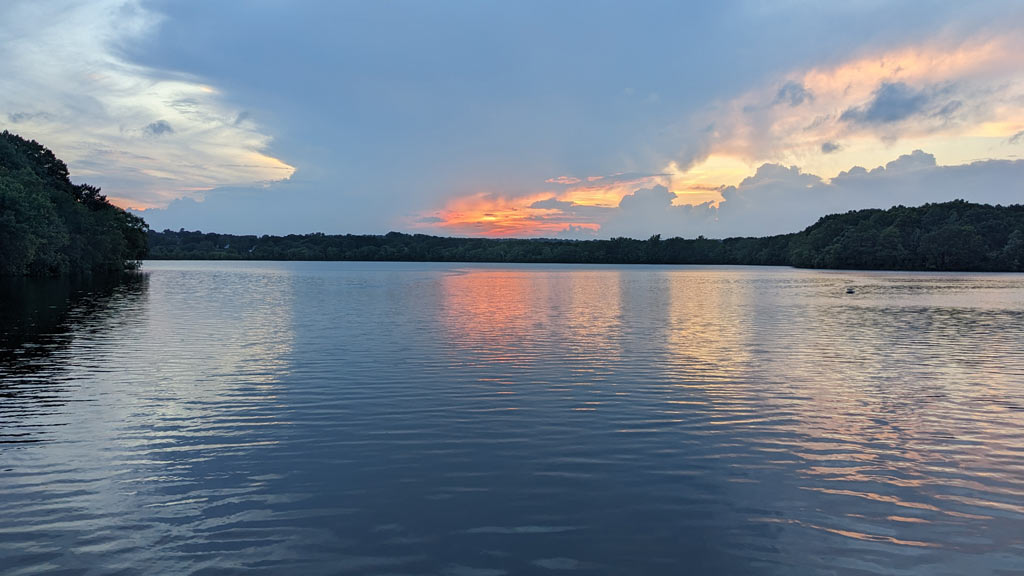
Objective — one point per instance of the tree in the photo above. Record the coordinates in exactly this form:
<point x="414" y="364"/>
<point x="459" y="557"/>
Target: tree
<point x="49" y="226"/>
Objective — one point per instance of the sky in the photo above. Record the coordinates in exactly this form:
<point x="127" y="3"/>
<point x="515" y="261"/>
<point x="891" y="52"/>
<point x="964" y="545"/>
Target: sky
<point x="576" y="119"/>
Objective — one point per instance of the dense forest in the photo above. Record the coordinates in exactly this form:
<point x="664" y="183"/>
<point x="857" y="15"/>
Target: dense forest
<point x="949" y="236"/>
<point x="51" y="227"/>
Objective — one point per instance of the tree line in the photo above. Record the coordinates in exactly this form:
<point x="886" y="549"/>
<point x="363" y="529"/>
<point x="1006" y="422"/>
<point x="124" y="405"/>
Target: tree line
<point x="51" y="227"/>
<point x="955" y="235"/>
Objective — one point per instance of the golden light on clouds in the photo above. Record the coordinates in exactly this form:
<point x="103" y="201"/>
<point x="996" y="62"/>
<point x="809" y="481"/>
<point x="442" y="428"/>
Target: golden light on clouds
<point x="151" y="134"/>
<point x="607" y="191"/>
<point x="146" y="136"/>
<point x="703" y="182"/>
<point x="858" y="112"/>
<point x="489" y="215"/>
<point x="962" y="101"/>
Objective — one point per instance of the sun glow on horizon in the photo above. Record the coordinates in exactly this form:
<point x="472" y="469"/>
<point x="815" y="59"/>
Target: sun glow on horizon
<point x="960" y="101"/>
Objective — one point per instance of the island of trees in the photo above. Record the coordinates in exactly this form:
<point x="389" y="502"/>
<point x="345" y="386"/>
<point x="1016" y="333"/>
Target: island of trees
<point x="51" y="227"/>
<point x="954" y="235"/>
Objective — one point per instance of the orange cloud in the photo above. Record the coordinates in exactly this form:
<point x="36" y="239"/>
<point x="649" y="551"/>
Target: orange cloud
<point x="607" y="191"/>
<point x="583" y="205"/>
<point x="966" y="101"/>
<point x="485" y="214"/>
<point x="577" y="207"/>
<point x="973" y="88"/>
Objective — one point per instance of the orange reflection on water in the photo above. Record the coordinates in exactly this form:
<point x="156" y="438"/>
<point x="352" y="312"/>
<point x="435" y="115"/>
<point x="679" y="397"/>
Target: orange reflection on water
<point x="510" y="315"/>
<point x="872" y="409"/>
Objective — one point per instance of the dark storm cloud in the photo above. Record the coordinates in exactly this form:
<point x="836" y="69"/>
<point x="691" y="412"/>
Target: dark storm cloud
<point x="830" y="147"/>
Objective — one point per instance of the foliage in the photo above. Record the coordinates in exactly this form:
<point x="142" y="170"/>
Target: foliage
<point x="50" y="227"/>
<point x="949" y="236"/>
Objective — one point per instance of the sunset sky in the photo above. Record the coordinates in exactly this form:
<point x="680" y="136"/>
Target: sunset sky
<point x="562" y="119"/>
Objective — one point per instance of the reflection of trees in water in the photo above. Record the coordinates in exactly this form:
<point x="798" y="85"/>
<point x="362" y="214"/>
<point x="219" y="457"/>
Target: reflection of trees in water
<point x="38" y="322"/>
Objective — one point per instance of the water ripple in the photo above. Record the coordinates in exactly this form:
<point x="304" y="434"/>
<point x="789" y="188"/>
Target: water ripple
<point x="325" y="418"/>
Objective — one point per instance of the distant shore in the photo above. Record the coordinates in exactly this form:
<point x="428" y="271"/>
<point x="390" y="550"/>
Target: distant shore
<point x="950" y="236"/>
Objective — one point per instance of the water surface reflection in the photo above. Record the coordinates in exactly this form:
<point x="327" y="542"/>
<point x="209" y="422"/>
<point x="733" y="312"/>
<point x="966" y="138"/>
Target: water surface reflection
<point x="37" y="319"/>
<point x="445" y="419"/>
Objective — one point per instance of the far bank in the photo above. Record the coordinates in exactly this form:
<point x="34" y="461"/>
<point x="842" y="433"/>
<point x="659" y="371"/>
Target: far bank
<point x="949" y="236"/>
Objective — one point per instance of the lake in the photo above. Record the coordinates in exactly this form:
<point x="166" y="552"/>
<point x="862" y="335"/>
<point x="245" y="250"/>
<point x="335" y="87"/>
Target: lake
<point x="481" y="420"/>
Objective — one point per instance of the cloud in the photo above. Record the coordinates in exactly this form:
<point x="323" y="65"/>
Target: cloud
<point x="417" y="123"/>
<point x="158" y="128"/>
<point x="968" y="91"/>
<point x="552" y="203"/>
<point x="575" y="232"/>
<point x="653" y="206"/>
<point x="563" y="180"/>
<point x="794" y="94"/>
<point x="647" y="198"/>
<point x="951" y="108"/>
<point x="776" y="199"/>
<point x="71" y="87"/>
<point x="1016" y="138"/>
<point x="623" y="177"/>
<point x="430" y="220"/>
<point x="779" y="199"/>
<point x="891" y="102"/>
<point x="916" y="160"/>
<point x="830" y="147"/>
<point x="19" y="117"/>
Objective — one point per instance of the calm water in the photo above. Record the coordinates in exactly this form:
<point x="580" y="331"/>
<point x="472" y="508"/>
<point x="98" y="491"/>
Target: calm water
<point x="471" y="420"/>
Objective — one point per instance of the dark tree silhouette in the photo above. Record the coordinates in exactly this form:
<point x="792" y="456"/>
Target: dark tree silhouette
<point x="949" y="236"/>
<point x="50" y="227"/>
